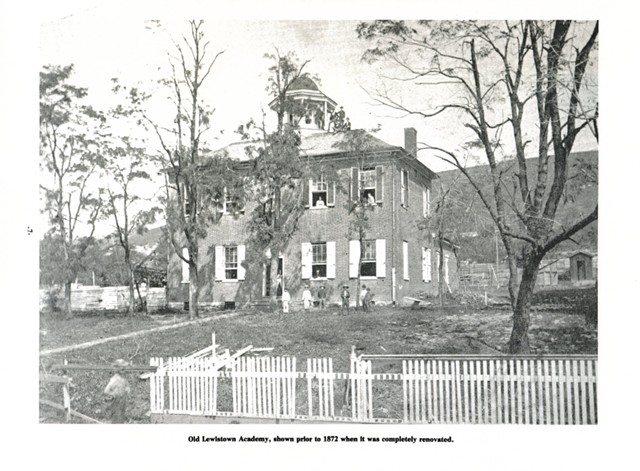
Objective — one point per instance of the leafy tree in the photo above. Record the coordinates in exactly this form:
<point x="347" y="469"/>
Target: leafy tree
<point x="498" y="77"/>
<point x="127" y="169"/>
<point x="69" y="134"/>
<point x="278" y="168"/>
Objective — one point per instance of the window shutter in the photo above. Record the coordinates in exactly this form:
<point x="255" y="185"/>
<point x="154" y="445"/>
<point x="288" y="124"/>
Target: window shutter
<point x="241" y="256"/>
<point x="379" y="184"/>
<point x="426" y="265"/>
<point x="219" y="263"/>
<point x="331" y="259"/>
<point x="405" y="259"/>
<point x="355" y="185"/>
<point x="307" y="191"/>
<point x="185" y="265"/>
<point x="331" y="194"/>
<point x="306" y="260"/>
<point x="446" y="268"/>
<point x="354" y="258"/>
<point x="381" y="258"/>
<point x="424" y="204"/>
<point x="437" y="271"/>
<point x="428" y="202"/>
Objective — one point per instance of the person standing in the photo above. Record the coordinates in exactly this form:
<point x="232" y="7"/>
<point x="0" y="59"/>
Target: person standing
<point x="344" y="295"/>
<point x="306" y="298"/>
<point x="363" y="293"/>
<point x="322" y="295"/>
<point x="117" y="391"/>
<point x="286" y="298"/>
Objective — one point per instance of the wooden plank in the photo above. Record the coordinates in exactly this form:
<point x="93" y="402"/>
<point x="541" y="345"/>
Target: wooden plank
<point x="423" y="392"/>
<point x="569" y="373"/>
<point x="485" y="397"/>
<point x="309" y="376"/>
<point x="591" y="388"/>
<point x="405" y="391"/>
<point x="430" y="394"/>
<point x="332" y="409"/>
<point x="562" y="375"/>
<point x="465" y="384"/>
<point x="512" y="391"/>
<point x="583" y="393"/>
<point x="447" y="397"/>
<point x="439" y="379"/>
<point x="473" y="386"/>
<point x="554" y="393"/>
<point x="370" y="391"/>
<point x="526" y="386"/>
<point x="534" y="381"/>
<point x="71" y="411"/>
<point x="47" y="378"/>
<point x="493" y="383"/>
<point x="547" y="398"/>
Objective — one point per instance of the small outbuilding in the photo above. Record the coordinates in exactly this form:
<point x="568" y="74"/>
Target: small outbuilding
<point x="581" y="266"/>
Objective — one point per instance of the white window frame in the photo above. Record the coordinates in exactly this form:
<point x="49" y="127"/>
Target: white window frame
<point x="380" y="253"/>
<point x="369" y="258"/>
<point x="316" y="264"/>
<point x="405" y="260"/>
<point x="316" y="185"/>
<point x="426" y="202"/>
<point x="362" y="176"/>
<point x="230" y="265"/>
<point x="404" y="188"/>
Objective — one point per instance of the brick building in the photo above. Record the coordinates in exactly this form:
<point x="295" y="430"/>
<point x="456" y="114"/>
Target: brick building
<point x="400" y="259"/>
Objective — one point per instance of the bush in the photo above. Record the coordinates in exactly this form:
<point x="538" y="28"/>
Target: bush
<point x="52" y="301"/>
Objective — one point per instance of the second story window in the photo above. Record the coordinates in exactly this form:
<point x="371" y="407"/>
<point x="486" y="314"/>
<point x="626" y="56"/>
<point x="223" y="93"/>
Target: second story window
<point x="368" y="185"/>
<point x="319" y="192"/>
<point x="404" y="188"/>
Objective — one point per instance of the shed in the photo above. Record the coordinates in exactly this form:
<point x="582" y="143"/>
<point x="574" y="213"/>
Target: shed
<point x="581" y="266"/>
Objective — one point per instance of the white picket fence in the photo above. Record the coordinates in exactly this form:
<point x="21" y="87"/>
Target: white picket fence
<point x="429" y="389"/>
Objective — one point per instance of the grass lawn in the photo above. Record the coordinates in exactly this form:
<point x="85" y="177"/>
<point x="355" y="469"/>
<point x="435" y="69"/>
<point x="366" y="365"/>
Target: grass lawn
<point x="314" y="334"/>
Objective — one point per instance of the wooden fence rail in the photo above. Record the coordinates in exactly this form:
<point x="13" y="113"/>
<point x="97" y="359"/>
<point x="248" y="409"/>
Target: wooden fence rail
<point x="555" y="389"/>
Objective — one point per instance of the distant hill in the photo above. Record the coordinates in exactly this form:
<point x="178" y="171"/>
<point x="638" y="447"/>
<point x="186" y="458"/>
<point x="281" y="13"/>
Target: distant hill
<point x="475" y="231"/>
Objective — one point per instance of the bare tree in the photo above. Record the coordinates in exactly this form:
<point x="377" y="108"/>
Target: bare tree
<point x="497" y="74"/>
<point x="194" y="180"/>
<point x="69" y="153"/>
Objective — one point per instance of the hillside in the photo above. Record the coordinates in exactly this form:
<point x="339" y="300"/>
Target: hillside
<point x="474" y="229"/>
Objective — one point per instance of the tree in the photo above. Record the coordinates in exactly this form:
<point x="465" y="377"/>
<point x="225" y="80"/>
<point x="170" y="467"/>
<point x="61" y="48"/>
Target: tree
<point x="359" y="205"/>
<point x="195" y="181"/>
<point x="503" y="77"/>
<point x="128" y="210"/>
<point x="278" y="168"/>
<point x="69" y="132"/>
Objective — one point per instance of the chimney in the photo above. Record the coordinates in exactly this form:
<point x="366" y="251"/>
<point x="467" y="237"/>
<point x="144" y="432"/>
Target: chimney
<point x="411" y="141"/>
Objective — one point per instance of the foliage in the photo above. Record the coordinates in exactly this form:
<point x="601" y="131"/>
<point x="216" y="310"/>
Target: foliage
<point x="69" y="136"/>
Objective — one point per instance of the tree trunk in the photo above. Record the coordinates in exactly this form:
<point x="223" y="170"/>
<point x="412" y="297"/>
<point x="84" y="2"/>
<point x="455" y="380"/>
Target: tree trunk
<point x="441" y="279"/>
<point x="67" y="300"/>
<point x="132" y="295"/>
<point x="194" y="291"/>
<point x="519" y="341"/>
<point x="274" y="280"/>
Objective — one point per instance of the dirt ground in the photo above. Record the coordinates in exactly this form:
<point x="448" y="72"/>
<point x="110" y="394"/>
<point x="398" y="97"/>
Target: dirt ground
<point x="557" y="326"/>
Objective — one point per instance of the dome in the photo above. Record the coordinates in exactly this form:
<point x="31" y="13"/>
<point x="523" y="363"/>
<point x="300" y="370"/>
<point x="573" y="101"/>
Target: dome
<point x="303" y="83"/>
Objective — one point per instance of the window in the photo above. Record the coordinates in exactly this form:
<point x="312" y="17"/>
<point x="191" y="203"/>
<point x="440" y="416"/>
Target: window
<point x="405" y="259"/>
<point x="231" y="263"/>
<point x="319" y="260"/>
<point x="373" y="261"/>
<point x="368" y="263"/>
<point x="368" y="185"/>
<point x="404" y="188"/>
<point x="319" y="192"/>
<point x="426" y="202"/>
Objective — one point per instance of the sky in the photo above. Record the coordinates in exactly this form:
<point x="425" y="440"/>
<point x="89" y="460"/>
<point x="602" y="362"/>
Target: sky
<point x="135" y="51"/>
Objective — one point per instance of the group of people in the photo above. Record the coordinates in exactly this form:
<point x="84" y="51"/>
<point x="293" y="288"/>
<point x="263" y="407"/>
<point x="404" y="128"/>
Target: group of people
<point x="339" y="122"/>
<point x="366" y="299"/>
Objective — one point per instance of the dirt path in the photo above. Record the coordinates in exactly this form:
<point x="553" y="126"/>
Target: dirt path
<point x="79" y="346"/>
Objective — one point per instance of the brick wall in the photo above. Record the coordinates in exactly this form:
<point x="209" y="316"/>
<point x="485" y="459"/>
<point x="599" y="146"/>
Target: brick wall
<point x="388" y="221"/>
